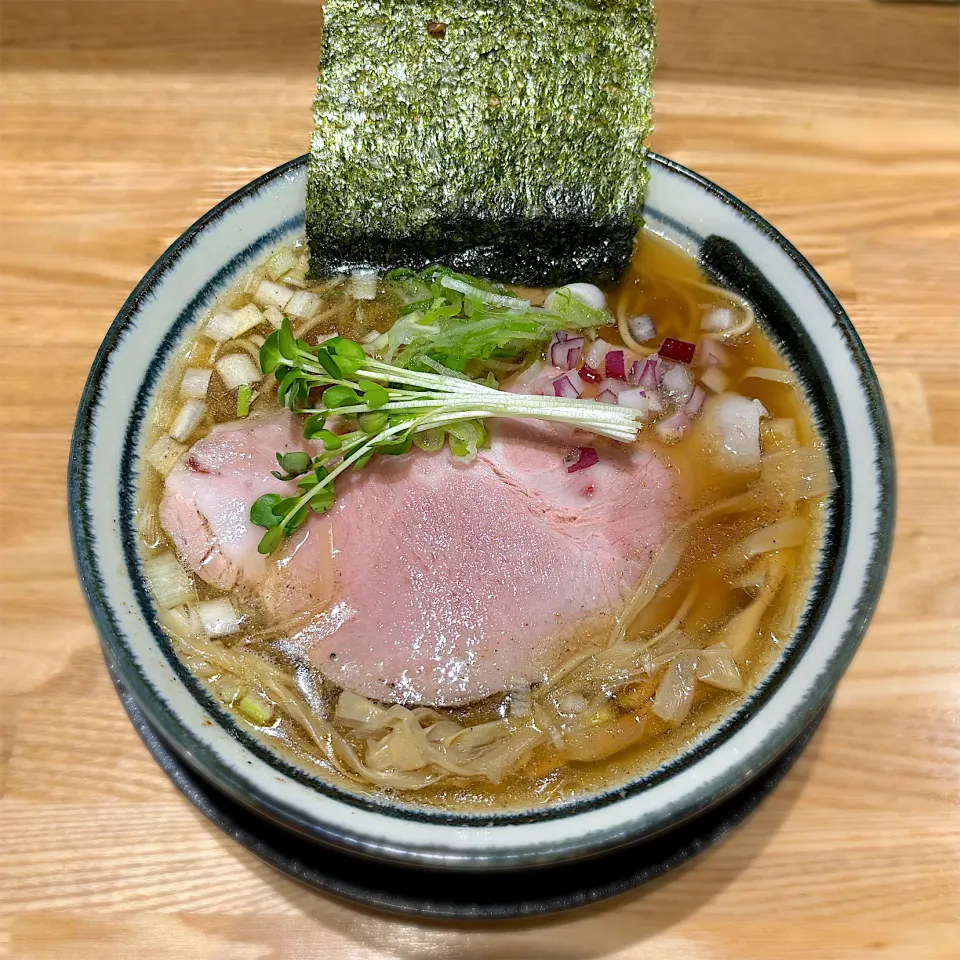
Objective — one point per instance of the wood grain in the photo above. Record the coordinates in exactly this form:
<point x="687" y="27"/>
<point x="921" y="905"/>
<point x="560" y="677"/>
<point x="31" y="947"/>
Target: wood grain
<point x="124" y="120"/>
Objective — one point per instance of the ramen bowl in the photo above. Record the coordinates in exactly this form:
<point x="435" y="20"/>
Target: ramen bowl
<point x="733" y="245"/>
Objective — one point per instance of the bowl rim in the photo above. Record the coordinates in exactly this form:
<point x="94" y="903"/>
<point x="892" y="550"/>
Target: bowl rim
<point x="203" y="759"/>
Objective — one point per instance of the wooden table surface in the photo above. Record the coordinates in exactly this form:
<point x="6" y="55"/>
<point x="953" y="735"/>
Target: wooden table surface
<point x="123" y="121"/>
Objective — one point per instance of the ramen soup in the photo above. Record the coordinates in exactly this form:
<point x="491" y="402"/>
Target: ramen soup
<point x="474" y="546"/>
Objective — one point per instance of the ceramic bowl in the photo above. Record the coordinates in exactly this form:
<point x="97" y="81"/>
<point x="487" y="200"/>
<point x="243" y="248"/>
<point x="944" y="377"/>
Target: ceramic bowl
<point x="735" y="246"/>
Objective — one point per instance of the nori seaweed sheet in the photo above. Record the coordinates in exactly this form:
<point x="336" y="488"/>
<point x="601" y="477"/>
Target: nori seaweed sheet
<point x="503" y="138"/>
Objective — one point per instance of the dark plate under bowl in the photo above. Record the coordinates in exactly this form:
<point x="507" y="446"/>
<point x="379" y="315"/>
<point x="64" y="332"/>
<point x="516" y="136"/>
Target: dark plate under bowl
<point x="460" y="896"/>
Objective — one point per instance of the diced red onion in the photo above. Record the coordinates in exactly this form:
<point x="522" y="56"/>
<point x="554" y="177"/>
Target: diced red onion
<point x="642" y="329"/>
<point x="615" y="368"/>
<point x="696" y="401"/>
<point x="569" y="385"/>
<point x="676" y="383"/>
<point x="565" y="354"/>
<point x="609" y="390"/>
<point x="711" y="354"/>
<point x="678" y="350"/>
<point x="589" y="376"/>
<point x="634" y="371"/>
<point x="650" y="375"/>
<point x="585" y="457"/>
<point x="614" y="386"/>
<point x="673" y="427"/>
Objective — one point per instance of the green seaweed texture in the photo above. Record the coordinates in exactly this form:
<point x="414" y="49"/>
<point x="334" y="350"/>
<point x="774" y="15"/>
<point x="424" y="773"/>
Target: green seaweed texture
<point x="505" y="138"/>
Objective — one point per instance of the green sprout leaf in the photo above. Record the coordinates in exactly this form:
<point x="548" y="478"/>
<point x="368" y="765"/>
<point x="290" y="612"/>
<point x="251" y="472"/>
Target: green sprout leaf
<point x="261" y="513"/>
<point x="287" y="342"/>
<point x="323" y="499"/>
<point x="364" y="460"/>
<point x="374" y="395"/>
<point x="295" y="522"/>
<point x="293" y="464"/>
<point x="373" y="423"/>
<point x="270" y="357"/>
<point x="396" y="446"/>
<point x="339" y="396"/>
<point x="271" y="540"/>
<point x="349" y="355"/>
<point x="346" y="348"/>
<point x="329" y="364"/>
<point x="314" y="426"/>
<point x="330" y="440"/>
<point x="288" y="390"/>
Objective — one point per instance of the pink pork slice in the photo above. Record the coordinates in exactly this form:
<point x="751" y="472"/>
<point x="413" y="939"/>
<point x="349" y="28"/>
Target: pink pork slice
<point x="440" y="582"/>
<point x="206" y="511"/>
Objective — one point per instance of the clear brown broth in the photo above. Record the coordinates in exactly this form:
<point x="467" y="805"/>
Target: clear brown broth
<point x="660" y="282"/>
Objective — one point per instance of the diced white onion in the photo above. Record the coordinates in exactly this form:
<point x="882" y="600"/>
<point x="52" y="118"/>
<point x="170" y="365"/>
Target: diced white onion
<point x="674" y="427"/>
<point x="713" y="378"/>
<point x="586" y="293"/>
<point x="218" y="617"/>
<point x="641" y="328"/>
<point x="676" y="383"/>
<point x="274" y="316"/>
<point x="716" y="665"/>
<point x="187" y="420"/>
<point x="718" y="320"/>
<point x="170" y="584"/>
<point x="711" y="353"/>
<point x="303" y="304"/>
<point x="769" y="373"/>
<point x="270" y="294"/>
<point x="363" y="284"/>
<point x="596" y="353"/>
<point x="646" y="402"/>
<point x="237" y="369"/>
<point x="165" y="454"/>
<point x="229" y="324"/>
<point x="195" y="382"/>
<point x="283" y="261"/>
<point x="732" y="425"/>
